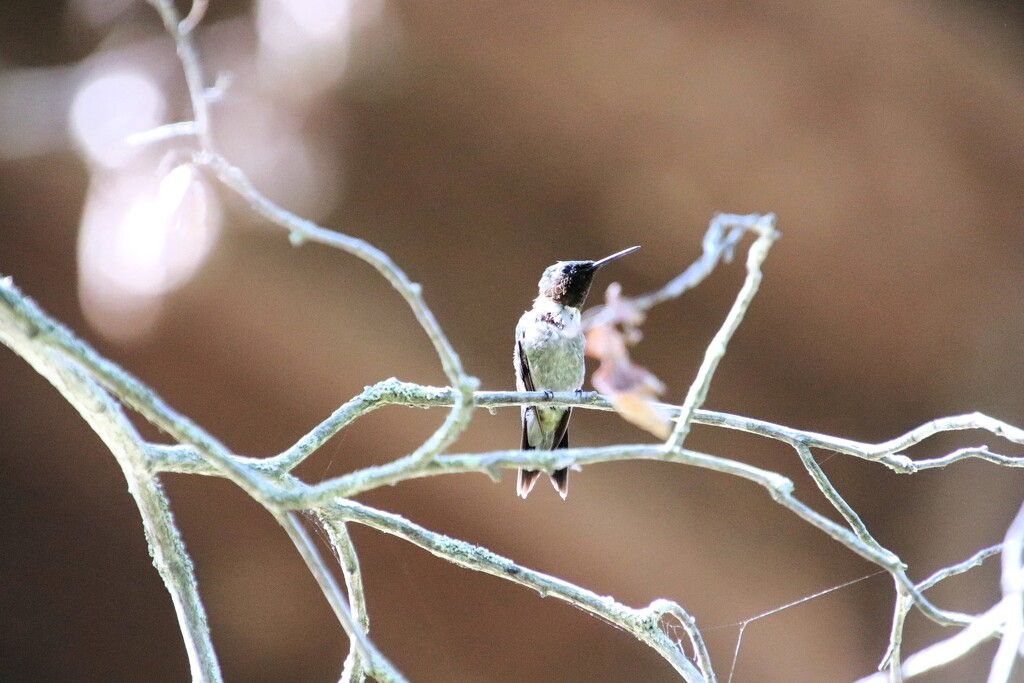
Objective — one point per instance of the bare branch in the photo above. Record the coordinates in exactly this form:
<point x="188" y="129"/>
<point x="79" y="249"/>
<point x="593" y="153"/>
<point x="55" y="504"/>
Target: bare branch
<point x="301" y="230"/>
<point x="277" y="490"/>
<point x="107" y="419"/>
<point x="826" y="487"/>
<point x="1012" y="583"/>
<point x="42" y="332"/>
<point x="189" y="63"/>
<point x="277" y="495"/>
<point x="341" y="541"/>
<point x="949" y="650"/>
<point x="195" y="15"/>
<point x="170" y="131"/>
<point x="644" y="624"/>
<point x="904" y="602"/>
<point x="764" y="228"/>
<point x="971" y="562"/>
<point x="720" y="240"/>
<point x="378" y="666"/>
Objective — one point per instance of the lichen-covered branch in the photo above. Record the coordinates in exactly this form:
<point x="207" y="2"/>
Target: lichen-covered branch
<point x="361" y="645"/>
<point x="200" y="453"/>
<point x="105" y="416"/>
<point x="341" y="541"/>
<point x="393" y="392"/>
<point x="41" y="335"/>
<point x="301" y="230"/>
<point x="644" y="624"/>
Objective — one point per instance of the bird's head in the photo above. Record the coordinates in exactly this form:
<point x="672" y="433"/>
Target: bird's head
<point x="567" y="283"/>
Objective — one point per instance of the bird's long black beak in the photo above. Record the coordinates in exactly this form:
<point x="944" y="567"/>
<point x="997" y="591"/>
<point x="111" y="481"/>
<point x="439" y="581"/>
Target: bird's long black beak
<point x="609" y="259"/>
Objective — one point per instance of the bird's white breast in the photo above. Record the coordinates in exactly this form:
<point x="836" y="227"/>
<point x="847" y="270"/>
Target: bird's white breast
<point x="553" y="342"/>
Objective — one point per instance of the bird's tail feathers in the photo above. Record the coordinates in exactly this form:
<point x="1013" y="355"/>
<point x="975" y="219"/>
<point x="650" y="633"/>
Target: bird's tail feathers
<point x="525" y="482"/>
<point x="560" y="480"/>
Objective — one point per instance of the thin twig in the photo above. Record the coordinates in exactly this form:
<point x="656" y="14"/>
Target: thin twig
<point x="949" y="650"/>
<point x="195" y="15"/>
<point x="641" y="623"/>
<point x="305" y="230"/>
<point x="660" y="609"/>
<point x="169" y="131"/>
<point x="952" y="570"/>
<point x="341" y="541"/>
<point x="889" y="453"/>
<point x="190" y="66"/>
<point x="904" y="602"/>
<point x="379" y="667"/>
<point x="718" y="245"/>
<point x="893" y="657"/>
<point x="764" y="228"/>
<point x="301" y="230"/>
<point x="832" y="494"/>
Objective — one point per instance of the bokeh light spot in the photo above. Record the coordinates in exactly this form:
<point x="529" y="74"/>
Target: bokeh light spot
<point x="139" y="240"/>
<point x="109" y="107"/>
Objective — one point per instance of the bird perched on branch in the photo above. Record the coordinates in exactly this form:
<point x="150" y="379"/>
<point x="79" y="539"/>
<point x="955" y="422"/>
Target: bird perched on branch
<point x="548" y="356"/>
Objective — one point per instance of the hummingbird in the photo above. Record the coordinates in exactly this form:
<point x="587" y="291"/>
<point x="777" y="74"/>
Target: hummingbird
<point x="548" y="356"/>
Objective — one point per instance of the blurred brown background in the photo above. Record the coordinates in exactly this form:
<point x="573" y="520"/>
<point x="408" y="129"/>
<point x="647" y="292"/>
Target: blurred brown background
<point x="476" y="143"/>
